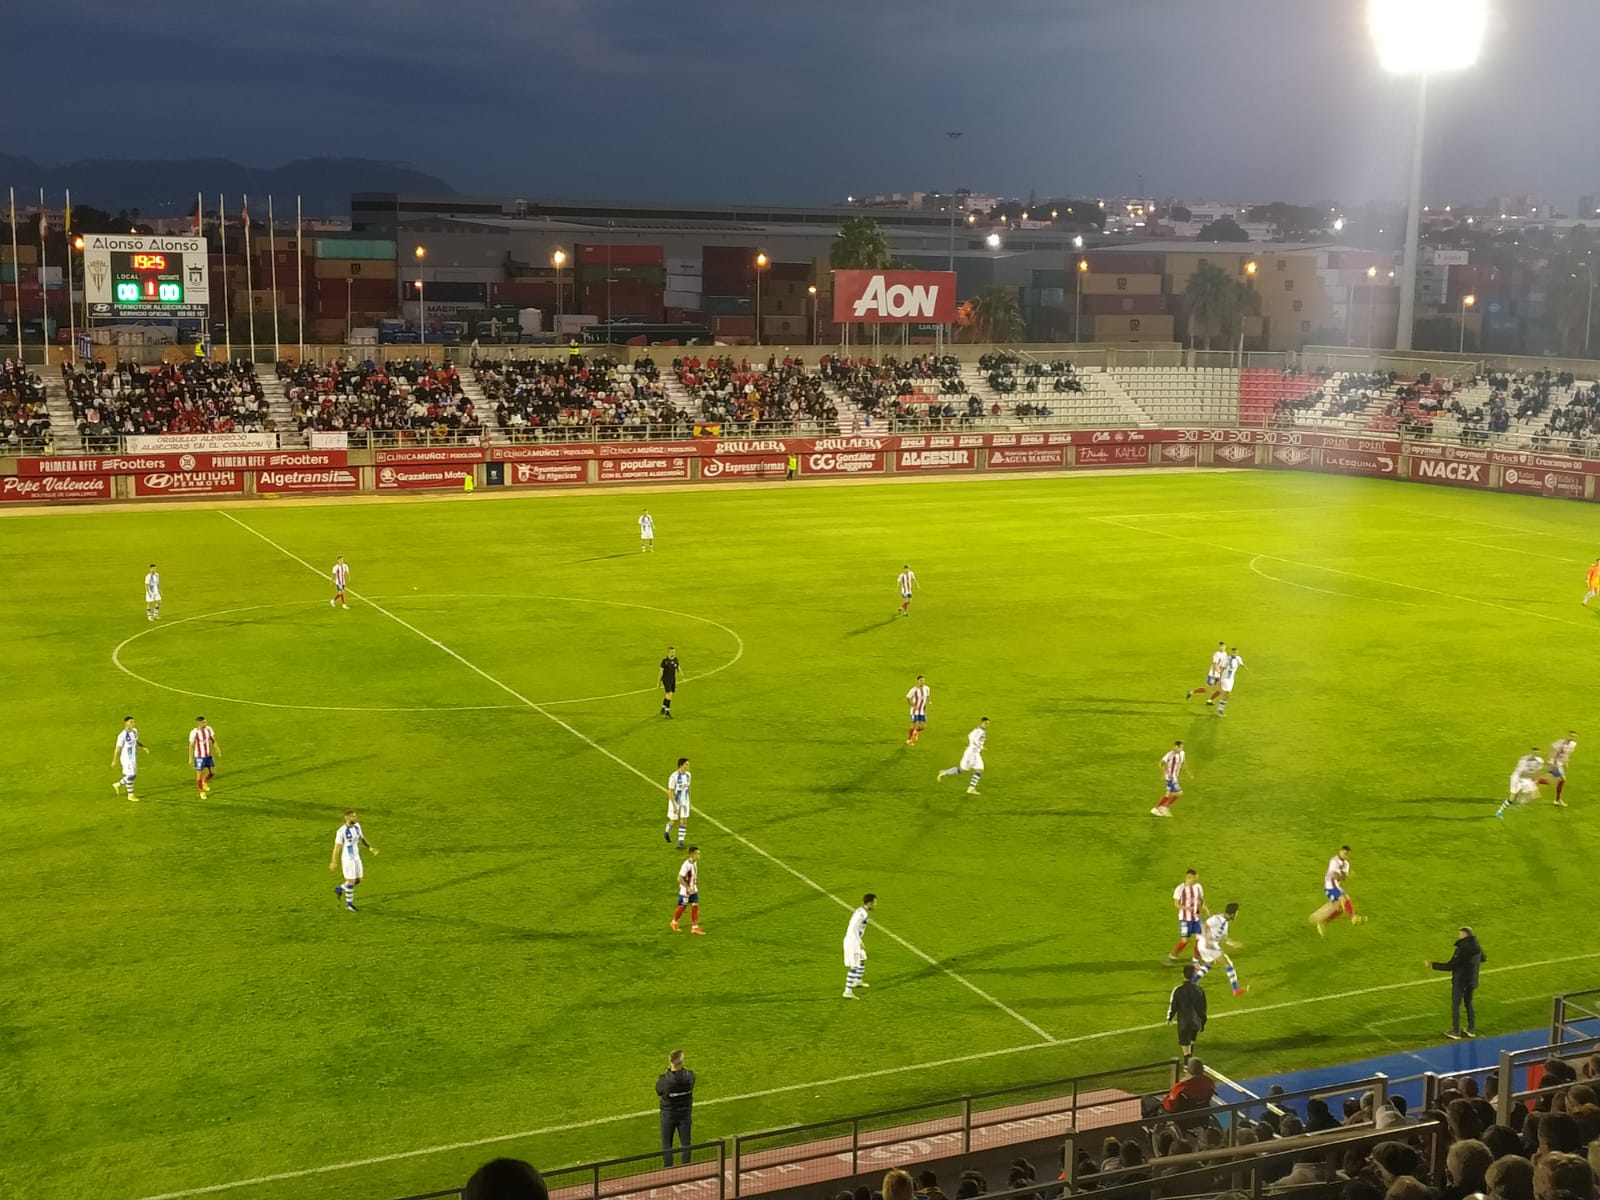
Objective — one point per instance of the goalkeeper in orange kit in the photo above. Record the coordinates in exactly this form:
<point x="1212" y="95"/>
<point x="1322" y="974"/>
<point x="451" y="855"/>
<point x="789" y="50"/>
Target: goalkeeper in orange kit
<point x="1592" y="582"/>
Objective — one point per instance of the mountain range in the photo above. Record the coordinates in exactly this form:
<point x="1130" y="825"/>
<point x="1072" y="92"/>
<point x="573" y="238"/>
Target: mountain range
<point x="167" y="187"/>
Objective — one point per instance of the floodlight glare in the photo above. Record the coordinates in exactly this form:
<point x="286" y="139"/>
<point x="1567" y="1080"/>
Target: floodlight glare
<point x="992" y="241"/>
<point x="1422" y="37"/>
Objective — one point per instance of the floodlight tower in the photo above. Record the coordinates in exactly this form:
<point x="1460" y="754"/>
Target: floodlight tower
<point x="1422" y="38"/>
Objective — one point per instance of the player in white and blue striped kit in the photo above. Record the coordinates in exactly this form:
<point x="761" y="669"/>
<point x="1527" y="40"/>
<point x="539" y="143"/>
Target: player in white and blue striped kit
<point x="678" y="803"/>
<point x="126" y="755"/>
<point x="855" y="952"/>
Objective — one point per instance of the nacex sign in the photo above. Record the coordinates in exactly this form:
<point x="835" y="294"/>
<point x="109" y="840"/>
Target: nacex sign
<point x="879" y="297"/>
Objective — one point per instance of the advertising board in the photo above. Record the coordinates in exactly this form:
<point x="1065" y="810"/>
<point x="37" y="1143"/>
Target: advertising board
<point x="189" y="483"/>
<point x="842" y="462"/>
<point x="414" y="478"/>
<point x="534" y="474"/>
<point x="328" y="479"/>
<point x="623" y="470"/>
<point x="878" y="297"/>
<point x="132" y="464"/>
<point x="760" y="466"/>
<point x="429" y="454"/>
<point x="1027" y="458"/>
<point x="955" y="458"/>
<point x="1565" y="484"/>
<point x="1119" y="455"/>
<point x="25" y="489"/>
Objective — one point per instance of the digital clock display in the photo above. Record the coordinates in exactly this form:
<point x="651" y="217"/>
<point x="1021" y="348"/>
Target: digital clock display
<point x="144" y="278"/>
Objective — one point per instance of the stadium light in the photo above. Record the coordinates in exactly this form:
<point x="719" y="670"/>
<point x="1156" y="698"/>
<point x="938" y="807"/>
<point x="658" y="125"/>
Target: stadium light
<point x="1250" y="268"/>
<point x="557" y="258"/>
<point x="1077" y="242"/>
<point x="1422" y="38"/>
<point x="761" y="261"/>
<point x="1338" y="224"/>
<point x="421" y="252"/>
<point x="1077" y="310"/>
<point x="992" y="241"/>
<point x="1467" y="302"/>
<point x="422" y="310"/>
<point x="812" y="292"/>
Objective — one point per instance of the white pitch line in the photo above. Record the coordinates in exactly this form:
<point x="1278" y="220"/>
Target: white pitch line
<point x="1178" y="537"/>
<point x="593" y="1122"/>
<point x="1560" y="558"/>
<point x="658" y="786"/>
<point x="1306" y="587"/>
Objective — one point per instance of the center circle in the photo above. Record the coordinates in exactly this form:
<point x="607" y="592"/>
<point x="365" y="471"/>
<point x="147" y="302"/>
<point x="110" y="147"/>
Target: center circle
<point x="294" y="636"/>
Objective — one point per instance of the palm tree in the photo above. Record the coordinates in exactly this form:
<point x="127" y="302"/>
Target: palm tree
<point x="860" y="246"/>
<point x="1212" y="296"/>
<point x="993" y="315"/>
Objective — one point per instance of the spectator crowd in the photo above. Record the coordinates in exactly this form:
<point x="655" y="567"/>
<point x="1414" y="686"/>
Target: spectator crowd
<point x="579" y="396"/>
<point x="194" y="396"/>
<point x="24" y="418"/>
<point x="414" y="398"/>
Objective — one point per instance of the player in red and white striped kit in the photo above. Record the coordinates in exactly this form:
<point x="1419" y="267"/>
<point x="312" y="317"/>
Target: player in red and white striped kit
<point x="202" y="752"/>
<point x="917" y="698"/>
<point x="341" y="580"/>
<point x="1171" y="767"/>
<point x="1189" y="898"/>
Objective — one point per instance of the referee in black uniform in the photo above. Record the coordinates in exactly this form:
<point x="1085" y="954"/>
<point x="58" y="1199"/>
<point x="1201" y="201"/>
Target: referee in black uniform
<point x="1188" y="1009"/>
<point x="669" y="680"/>
<point x="675" y="1086"/>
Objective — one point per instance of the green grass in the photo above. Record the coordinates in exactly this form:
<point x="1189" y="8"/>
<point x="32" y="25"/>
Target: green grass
<point x="183" y="1003"/>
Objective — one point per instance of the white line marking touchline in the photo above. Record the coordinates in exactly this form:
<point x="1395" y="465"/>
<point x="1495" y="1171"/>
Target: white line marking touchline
<point x="593" y="1122"/>
<point x="657" y="786"/>
<point x="1306" y="587"/>
<point x="1178" y="537"/>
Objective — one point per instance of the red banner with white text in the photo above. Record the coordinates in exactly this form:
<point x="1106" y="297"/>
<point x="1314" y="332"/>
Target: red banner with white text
<point x="22" y="489"/>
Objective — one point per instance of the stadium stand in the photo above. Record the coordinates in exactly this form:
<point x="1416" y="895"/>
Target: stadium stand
<point x="193" y="396"/>
<point x="1262" y="391"/>
<point x="410" y="398"/>
<point x="542" y="398"/>
<point x="24" y="411"/>
<point x="1183" y="396"/>
<point x="778" y="393"/>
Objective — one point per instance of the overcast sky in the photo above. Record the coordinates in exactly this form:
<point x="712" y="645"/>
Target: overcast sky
<point x="802" y="101"/>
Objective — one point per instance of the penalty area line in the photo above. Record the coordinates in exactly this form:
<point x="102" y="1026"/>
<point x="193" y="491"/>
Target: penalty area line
<point x="881" y="1073"/>
<point x="544" y="712"/>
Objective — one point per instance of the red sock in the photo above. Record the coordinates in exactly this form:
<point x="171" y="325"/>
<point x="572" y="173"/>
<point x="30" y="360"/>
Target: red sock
<point x="210" y="775"/>
<point x="679" y="913"/>
<point x="1167" y="802"/>
<point x="1560" y="783"/>
<point x="1180" y="947"/>
<point x="1349" y="908"/>
<point x="1196" y="691"/>
<point x="199" y="785"/>
<point x="694" y="914"/>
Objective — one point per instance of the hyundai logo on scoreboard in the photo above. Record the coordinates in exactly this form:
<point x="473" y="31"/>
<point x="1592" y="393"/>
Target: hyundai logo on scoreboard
<point x="145" y="276"/>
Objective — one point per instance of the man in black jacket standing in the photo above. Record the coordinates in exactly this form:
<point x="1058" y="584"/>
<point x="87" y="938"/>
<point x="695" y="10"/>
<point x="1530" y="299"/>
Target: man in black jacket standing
<point x="1463" y="966"/>
<point x="1188" y="1008"/>
<point x="676" y="1089"/>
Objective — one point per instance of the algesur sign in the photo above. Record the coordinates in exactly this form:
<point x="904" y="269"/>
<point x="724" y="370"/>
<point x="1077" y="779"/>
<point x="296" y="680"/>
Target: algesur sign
<point x="875" y="297"/>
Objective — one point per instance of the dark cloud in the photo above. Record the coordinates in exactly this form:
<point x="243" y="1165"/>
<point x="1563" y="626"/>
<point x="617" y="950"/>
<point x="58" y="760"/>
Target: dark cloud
<point x="805" y="100"/>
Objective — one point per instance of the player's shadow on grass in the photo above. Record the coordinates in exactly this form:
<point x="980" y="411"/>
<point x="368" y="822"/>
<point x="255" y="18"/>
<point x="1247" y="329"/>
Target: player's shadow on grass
<point x="600" y="558"/>
<point x="456" y="881"/>
<point x="870" y="626"/>
<point x="1475" y="801"/>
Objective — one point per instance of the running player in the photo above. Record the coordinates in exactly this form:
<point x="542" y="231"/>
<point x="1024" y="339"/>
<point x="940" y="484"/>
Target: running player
<point x="689" y="892"/>
<point x="126" y="755"/>
<point x="202" y="752"/>
<point x="1591" y="582"/>
<point x="1189" y="898"/>
<point x="647" y="532"/>
<point x="1525" y="781"/>
<point x="347" y="842"/>
<point x="1337" y="899"/>
<point x="341" y="580"/>
<point x="1171" y="768"/>
<point x="1230" y="669"/>
<point x="1560" y="751"/>
<point x="152" y="594"/>
<point x="669" y="680"/>
<point x="1214" y="944"/>
<point x="908" y="584"/>
<point x="855" y="950"/>
<point x="1219" y="658"/>
<point x="917" y="698"/>
<point x="678" y="803"/>
<point x="971" y="757"/>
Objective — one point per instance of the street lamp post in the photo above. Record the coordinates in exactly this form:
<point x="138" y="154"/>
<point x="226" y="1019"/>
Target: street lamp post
<point x="1250" y="269"/>
<point x="761" y="263"/>
<point x="349" y="284"/>
<point x="1467" y="302"/>
<point x="1422" y="37"/>
<point x="812" y="292"/>
<point x="1588" y="312"/>
<point x="422" y="314"/>
<point x="556" y="259"/>
<point x="1077" y="310"/>
<point x="1372" y="300"/>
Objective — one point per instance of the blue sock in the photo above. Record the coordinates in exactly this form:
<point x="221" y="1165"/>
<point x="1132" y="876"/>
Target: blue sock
<point x="683" y="833"/>
<point x="1233" y="976"/>
<point x="853" y="977"/>
<point x="973" y="782"/>
<point x="1201" y="970"/>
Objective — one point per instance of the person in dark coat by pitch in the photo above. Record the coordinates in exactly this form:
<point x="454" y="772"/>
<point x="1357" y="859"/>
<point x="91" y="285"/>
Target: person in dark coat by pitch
<point x="1188" y="1008"/>
<point x="1463" y="966"/>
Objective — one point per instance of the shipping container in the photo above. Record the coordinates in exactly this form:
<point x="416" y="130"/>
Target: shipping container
<point x="684" y="300"/>
<point x="367" y="248"/>
<point x="27" y="255"/>
<point x="1119" y="262"/>
<point x="784" y="306"/>
<point x="617" y="254"/>
<point x="354" y="268"/>
<point x="788" y="328"/>
<point x="1133" y="329"/>
<point x="685" y="283"/>
<point x="685" y="266"/>
<point x="599" y="272"/>
<point x="1121" y="285"/>
<point x="727" y="306"/>
<point x="1111" y="305"/>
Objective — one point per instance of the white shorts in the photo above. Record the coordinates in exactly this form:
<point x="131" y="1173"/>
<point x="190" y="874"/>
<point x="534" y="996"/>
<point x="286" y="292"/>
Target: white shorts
<point x="1227" y="683"/>
<point x="677" y="811"/>
<point x="351" y="866"/>
<point x="129" y="769"/>
<point x="972" y="761"/>
<point x="152" y="597"/>
<point x="1209" y="954"/>
<point x="855" y="956"/>
<point x="1521" y="786"/>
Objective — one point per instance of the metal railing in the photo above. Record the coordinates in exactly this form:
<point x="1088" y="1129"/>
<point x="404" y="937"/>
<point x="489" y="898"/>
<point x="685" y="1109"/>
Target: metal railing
<point x="706" y="1172"/>
<point x="389" y="439"/>
<point x="1570" y="1009"/>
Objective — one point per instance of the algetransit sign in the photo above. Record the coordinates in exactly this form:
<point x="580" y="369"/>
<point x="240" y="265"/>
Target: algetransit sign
<point x="883" y="297"/>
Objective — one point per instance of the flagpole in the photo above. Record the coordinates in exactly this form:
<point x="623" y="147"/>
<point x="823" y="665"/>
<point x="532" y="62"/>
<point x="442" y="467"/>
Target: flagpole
<point x="16" y="272"/>
<point x="299" y="283"/>
<point x="227" y="296"/>
<point x="44" y="288"/>
<point x="200" y="232"/>
<point x="72" y="313"/>
<point x="249" y="281"/>
<point x="272" y="254"/>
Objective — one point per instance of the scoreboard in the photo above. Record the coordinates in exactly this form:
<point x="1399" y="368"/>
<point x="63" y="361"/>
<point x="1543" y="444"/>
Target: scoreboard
<point x="146" y="276"/>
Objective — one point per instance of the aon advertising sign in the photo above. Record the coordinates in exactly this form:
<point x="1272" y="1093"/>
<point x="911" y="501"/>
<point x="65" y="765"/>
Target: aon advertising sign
<point x="876" y="297"/>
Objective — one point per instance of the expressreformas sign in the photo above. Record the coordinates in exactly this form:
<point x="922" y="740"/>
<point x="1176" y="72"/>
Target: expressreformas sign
<point x="879" y="297"/>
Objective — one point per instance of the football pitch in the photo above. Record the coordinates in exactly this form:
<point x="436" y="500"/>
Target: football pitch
<point x="185" y="1004"/>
